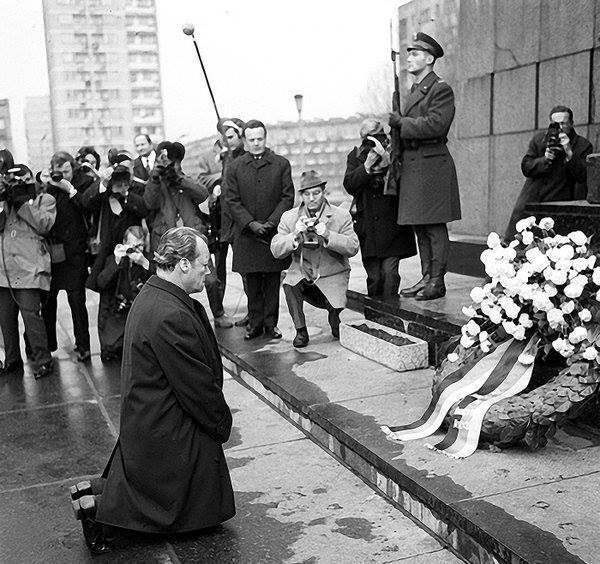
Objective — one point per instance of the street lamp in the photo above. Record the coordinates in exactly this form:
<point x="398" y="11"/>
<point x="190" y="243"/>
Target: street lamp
<point x="298" y="98"/>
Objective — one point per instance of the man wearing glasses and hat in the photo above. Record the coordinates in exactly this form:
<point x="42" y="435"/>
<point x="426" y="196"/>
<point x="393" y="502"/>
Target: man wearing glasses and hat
<point x="320" y="238"/>
<point x="428" y="197"/>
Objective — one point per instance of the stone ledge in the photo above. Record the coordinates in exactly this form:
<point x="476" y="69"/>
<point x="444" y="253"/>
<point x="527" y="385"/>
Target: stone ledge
<point x="399" y="358"/>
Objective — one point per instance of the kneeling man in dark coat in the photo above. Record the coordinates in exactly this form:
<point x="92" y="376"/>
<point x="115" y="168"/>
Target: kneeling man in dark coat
<point x="167" y="473"/>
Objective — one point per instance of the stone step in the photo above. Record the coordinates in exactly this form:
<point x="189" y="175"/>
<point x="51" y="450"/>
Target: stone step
<point x="377" y="345"/>
<point x="417" y="319"/>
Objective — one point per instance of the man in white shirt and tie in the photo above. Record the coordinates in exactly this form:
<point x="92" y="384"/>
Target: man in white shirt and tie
<point x="143" y="165"/>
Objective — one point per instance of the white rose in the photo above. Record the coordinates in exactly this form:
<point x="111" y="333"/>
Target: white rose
<point x="526" y="358"/>
<point x="495" y="316"/>
<point x="527" y="237"/>
<point x="472" y="327"/>
<point x="591" y="261"/>
<point x="485" y="346"/>
<point x="493" y="240"/>
<point x="590" y="353"/>
<point x="580" y="264"/>
<point x="509" y="253"/>
<point x="598" y="296"/>
<point x="466" y="341"/>
<point x="567" y="307"/>
<point x="581" y="250"/>
<point x="452" y="357"/>
<point x="546" y="223"/>
<point x="477" y="294"/>
<point x="578" y="335"/>
<point x="525" y="223"/>
<point x="469" y="311"/>
<point x="566" y="252"/>
<point x="550" y="290"/>
<point x="555" y="317"/>
<point x="559" y="344"/>
<point x="563" y="264"/>
<point x="525" y="321"/>
<point x="578" y="237"/>
<point x="585" y="315"/>
<point x="580" y="280"/>
<point x="558" y="277"/>
<point x="519" y="333"/>
<point x="483" y="336"/>
<point x="573" y="290"/>
<point x="596" y="276"/>
<point x="509" y="326"/>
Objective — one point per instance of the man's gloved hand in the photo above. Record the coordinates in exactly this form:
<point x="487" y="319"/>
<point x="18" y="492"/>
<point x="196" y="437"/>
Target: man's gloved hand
<point x="395" y="119"/>
<point x="566" y="145"/>
<point x="258" y="228"/>
<point x="299" y="228"/>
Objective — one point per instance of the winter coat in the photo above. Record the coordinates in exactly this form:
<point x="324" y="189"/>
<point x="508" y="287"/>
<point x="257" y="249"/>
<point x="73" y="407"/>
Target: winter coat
<point x="173" y="202"/>
<point x="428" y="190"/>
<point x="168" y="471"/>
<point x="257" y="190"/>
<point x="376" y="214"/>
<point x="329" y="265"/>
<point x="24" y="254"/>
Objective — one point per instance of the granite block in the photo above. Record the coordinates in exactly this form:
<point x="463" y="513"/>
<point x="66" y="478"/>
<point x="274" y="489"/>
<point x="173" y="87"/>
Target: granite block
<point x="400" y="358"/>
<point x="472" y="160"/>
<point x="565" y="80"/>
<point x="517" y="33"/>
<point x="566" y="26"/>
<point x="514" y="100"/>
<point x="473" y="107"/>
<point x="506" y="177"/>
<point x="475" y="38"/>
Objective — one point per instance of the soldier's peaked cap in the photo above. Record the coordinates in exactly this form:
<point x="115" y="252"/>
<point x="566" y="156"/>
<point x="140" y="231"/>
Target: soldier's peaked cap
<point x="423" y="42"/>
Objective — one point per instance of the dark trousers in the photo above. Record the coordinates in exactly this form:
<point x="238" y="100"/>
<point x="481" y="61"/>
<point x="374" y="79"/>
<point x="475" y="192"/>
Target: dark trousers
<point x="434" y="248"/>
<point x="29" y="303"/>
<point x="382" y="276"/>
<point x="79" y="314"/>
<point x="262" y="290"/>
<point x="111" y="325"/>
<point x="221" y="263"/>
<point x="215" y="289"/>
<point x="304" y="292"/>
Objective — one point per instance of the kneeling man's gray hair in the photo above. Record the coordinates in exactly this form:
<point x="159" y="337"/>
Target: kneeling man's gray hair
<point x="177" y="243"/>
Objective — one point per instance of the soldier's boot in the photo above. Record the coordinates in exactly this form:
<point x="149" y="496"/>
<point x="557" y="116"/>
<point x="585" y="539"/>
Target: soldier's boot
<point x="434" y="289"/>
<point x="416" y="288"/>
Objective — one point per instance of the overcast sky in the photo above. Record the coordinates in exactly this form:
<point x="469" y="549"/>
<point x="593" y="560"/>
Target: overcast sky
<point x="258" y="54"/>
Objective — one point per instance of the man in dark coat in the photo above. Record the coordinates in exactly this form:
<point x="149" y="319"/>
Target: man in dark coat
<point x="167" y="473"/>
<point x="428" y="197"/>
<point x="382" y="241"/>
<point x="554" y="166"/>
<point x="70" y="230"/>
<point x="259" y="190"/>
<point x="144" y="163"/>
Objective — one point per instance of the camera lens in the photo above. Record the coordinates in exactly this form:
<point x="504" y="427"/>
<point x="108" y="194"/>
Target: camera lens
<point x="56" y="176"/>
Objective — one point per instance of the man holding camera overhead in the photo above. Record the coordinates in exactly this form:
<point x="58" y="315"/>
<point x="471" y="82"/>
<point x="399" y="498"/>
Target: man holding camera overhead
<point x="25" y="217"/>
<point x="554" y="166"/>
<point x="320" y="238"/>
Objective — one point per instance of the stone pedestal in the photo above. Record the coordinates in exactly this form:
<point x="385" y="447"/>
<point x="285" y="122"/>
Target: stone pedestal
<point x="593" y="178"/>
<point x="571" y="216"/>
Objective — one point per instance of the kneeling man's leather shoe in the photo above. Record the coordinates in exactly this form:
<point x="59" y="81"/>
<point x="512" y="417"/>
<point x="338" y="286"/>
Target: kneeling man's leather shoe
<point x="415" y="288"/>
<point x="272" y="333"/>
<point x="93" y="532"/>
<point x="253" y="332"/>
<point x="301" y="339"/>
<point x="433" y="290"/>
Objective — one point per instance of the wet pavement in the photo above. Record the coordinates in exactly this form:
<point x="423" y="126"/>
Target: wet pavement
<point x="294" y="502"/>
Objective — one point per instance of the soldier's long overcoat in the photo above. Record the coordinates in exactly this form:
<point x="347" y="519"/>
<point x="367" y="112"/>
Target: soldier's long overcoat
<point x="428" y="185"/>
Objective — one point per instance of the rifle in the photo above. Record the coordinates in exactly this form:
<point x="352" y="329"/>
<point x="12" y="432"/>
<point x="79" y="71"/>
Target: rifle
<point x="393" y="177"/>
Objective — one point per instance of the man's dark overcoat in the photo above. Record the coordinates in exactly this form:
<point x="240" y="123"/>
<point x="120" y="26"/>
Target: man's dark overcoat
<point x="168" y="471"/>
<point x="257" y="190"/>
<point x="428" y="191"/>
<point x="376" y="213"/>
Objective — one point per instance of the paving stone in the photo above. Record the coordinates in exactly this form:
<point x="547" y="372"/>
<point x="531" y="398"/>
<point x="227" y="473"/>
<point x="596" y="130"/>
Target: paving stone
<point x="106" y="377"/>
<point x="400" y="358"/>
<point x="50" y="444"/>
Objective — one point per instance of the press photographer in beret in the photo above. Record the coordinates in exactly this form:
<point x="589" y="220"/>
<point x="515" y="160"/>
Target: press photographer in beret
<point x="428" y="196"/>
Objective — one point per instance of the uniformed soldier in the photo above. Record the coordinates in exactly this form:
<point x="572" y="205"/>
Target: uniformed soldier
<point x="428" y="195"/>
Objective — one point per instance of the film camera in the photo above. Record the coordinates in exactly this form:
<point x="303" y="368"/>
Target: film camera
<point x="310" y="239"/>
<point x="120" y="174"/>
<point x="17" y="186"/>
<point x="553" y="139"/>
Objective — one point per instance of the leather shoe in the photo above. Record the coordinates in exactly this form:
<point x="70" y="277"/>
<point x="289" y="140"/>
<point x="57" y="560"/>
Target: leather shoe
<point x="44" y="370"/>
<point x="11" y="367"/>
<point x="223" y="321"/>
<point x="414" y="289"/>
<point x="434" y="289"/>
<point x="83" y="355"/>
<point x="253" y="332"/>
<point x="334" y="323"/>
<point x="93" y="532"/>
<point x="301" y="339"/>
<point x="273" y="333"/>
<point x="242" y="322"/>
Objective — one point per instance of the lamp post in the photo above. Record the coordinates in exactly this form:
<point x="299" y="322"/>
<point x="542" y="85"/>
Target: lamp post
<point x="298" y="98"/>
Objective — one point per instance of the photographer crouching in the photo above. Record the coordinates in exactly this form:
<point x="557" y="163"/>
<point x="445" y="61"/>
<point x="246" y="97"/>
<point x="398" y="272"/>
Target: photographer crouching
<point x="320" y="237"/>
<point x="25" y="217"/>
<point x="554" y="166"/>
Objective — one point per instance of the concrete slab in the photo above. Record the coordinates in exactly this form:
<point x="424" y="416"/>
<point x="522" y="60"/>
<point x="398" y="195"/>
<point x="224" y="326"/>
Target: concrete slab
<point x="50" y="444"/>
<point x="475" y="38"/>
<point x="566" y="27"/>
<point x="473" y="107"/>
